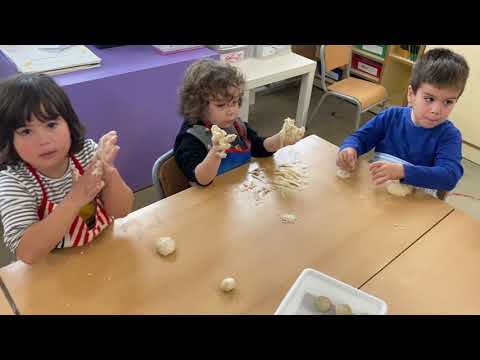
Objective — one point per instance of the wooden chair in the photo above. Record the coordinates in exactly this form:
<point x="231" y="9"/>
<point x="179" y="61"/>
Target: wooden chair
<point x="362" y="93"/>
<point x="167" y="177"/>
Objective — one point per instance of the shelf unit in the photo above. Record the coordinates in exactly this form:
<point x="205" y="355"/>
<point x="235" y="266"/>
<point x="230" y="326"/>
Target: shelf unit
<point x="396" y="74"/>
<point x="367" y="55"/>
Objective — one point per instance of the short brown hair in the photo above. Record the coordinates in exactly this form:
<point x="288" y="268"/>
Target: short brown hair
<point x="205" y="79"/>
<point x="38" y="94"/>
<point x="441" y="68"/>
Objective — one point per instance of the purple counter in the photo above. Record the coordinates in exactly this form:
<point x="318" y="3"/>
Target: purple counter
<point x="134" y="91"/>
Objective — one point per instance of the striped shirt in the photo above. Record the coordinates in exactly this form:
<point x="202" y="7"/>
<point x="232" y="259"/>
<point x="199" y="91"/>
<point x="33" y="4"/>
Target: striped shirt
<point x="21" y="195"/>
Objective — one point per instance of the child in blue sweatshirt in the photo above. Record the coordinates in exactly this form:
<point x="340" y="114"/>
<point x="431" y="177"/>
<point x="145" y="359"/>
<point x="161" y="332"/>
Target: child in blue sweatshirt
<point x="416" y="145"/>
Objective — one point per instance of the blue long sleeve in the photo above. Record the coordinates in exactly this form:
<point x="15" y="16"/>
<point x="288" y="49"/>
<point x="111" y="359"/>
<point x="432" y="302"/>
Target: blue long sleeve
<point x="368" y="136"/>
<point x="434" y="154"/>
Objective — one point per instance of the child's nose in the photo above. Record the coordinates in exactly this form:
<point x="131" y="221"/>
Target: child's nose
<point x="44" y="137"/>
<point x="435" y="109"/>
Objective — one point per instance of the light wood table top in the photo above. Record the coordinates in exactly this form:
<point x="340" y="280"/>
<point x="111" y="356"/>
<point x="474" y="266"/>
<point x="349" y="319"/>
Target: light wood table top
<point x="5" y="308"/>
<point x="348" y="229"/>
<point x="439" y="274"/>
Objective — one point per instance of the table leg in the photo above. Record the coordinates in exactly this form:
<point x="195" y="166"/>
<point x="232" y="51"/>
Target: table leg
<point x="304" y="98"/>
<point x="245" y="105"/>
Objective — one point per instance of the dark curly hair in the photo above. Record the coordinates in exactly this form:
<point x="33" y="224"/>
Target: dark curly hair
<point x="441" y="68"/>
<point x="206" y="79"/>
<point x="24" y="95"/>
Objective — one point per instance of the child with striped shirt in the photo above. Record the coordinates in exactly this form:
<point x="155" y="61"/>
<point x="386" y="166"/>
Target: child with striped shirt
<point x="57" y="189"/>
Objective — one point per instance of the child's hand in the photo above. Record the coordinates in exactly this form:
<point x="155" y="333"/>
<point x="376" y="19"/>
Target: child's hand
<point x="107" y="153"/>
<point x="347" y="159"/>
<point x="383" y="171"/>
<point x="86" y="187"/>
<point x="221" y="141"/>
<point x="290" y="134"/>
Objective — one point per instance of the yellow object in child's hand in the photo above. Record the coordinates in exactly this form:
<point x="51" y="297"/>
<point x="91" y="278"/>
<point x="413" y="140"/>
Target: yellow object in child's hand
<point x="88" y="214"/>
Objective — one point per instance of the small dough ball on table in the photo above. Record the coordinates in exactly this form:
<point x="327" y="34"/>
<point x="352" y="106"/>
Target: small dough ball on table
<point x="165" y="246"/>
<point x="397" y="189"/>
<point x="344" y="174"/>
<point x="323" y="304"/>
<point x="343" y="309"/>
<point x="228" y="284"/>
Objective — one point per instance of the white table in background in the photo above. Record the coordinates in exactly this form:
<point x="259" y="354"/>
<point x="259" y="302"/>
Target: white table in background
<point x="260" y="72"/>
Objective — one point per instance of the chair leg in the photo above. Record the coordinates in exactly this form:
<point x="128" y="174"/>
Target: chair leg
<point x="314" y="112"/>
<point x="358" y="117"/>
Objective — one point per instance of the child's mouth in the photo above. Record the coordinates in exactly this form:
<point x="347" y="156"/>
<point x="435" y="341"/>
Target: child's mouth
<point x="48" y="154"/>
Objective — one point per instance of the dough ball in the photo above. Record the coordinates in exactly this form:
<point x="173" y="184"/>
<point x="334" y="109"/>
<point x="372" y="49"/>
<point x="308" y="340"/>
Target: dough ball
<point x="165" y="246"/>
<point x="228" y="284"/>
<point x="343" y="309"/>
<point x="323" y="303"/>
<point x="344" y="174"/>
<point x="397" y="189"/>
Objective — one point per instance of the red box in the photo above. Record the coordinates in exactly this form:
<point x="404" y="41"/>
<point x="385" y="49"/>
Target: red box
<point x="366" y="66"/>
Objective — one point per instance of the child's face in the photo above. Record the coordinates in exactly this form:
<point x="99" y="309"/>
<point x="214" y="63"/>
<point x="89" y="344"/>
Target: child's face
<point x="222" y="112"/>
<point x="44" y="145"/>
<point x="432" y="105"/>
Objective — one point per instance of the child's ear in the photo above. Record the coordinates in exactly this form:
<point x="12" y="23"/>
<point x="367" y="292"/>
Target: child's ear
<point x="410" y="95"/>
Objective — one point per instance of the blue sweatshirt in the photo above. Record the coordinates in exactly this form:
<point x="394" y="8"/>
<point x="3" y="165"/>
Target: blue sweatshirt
<point x="434" y="154"/>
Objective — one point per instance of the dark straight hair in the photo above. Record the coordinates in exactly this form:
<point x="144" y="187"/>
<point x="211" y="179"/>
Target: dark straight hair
<point x="24" y="95"/>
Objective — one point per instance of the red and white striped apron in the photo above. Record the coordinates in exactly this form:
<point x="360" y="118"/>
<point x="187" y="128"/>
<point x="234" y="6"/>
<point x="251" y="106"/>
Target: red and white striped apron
<point x="79" y="233"/>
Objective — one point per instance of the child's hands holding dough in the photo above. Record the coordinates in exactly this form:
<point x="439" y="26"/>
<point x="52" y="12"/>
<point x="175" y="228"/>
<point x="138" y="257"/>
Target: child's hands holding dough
<point x="290" y="134"/>
<point x="221" y="141"/>
<point x="382" y="171"/>
<point x="347" y="159"/>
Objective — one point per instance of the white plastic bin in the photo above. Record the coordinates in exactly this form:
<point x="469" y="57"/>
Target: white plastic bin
<point x="311" y="283"/>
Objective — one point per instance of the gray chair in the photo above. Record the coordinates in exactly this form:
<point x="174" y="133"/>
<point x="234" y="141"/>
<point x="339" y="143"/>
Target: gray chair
<point x="362" y="93"/>
<point x="167" y="178"/>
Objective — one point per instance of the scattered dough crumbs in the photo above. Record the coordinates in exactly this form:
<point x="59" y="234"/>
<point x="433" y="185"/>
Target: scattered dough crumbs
<point x="288" y="218"/>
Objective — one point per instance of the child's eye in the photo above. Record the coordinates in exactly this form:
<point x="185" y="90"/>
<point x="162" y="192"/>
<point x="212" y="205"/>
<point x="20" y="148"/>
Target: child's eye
<point x="52" y="124"/>
<point x="449" y="102"/>
<point x="428" y="99"/>
<point x="220" y="105"/>
<point x="24" y="132"/>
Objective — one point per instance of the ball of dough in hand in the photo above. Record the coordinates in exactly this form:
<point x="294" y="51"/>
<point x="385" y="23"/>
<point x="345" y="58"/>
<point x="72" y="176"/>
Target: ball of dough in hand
<point x="343" y="309"/>
<point x="228" y="284"/>
<point x="323" y="303"/>
<point x="165" y="246"/>
<point x="344" y="174"/>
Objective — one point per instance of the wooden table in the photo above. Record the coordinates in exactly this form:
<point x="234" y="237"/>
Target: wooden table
<point x="5" y="308"/>
<point x="346" y="228"/>
<point x="439" y="274"/>
<point x="259" y="72"/>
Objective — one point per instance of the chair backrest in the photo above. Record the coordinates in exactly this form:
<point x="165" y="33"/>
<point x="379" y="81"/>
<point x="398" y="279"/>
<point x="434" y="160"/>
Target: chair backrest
<point x="167" y="177"/>
<point x="337" y="56"/>
<point x="332" y="57"/>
